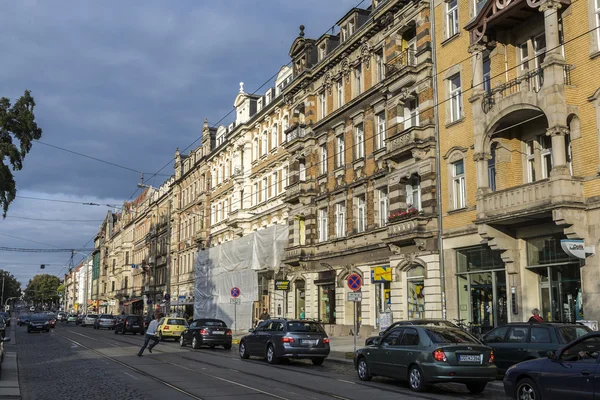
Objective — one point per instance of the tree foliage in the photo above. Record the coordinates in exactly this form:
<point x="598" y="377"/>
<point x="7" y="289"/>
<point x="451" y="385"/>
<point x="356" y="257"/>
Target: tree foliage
<point x="43" y="288"/>
<point x="17" y="122"/>
<point x="12" y="287"/>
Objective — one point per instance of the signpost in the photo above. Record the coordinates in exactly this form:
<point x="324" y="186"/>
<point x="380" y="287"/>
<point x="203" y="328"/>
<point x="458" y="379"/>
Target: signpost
<point x="235" y="294"/>
<point x="355" y="283"/>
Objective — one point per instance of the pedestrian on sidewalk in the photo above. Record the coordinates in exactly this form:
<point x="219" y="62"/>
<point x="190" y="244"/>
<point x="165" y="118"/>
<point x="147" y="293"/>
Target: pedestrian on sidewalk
<point x="151" y="335"/>
<point x="536" y="316"/>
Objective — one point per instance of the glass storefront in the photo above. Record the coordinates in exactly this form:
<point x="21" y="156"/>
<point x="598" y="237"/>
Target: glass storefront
<point x="559" y="279"/>
<point x="300" y="299"/>
<point x="381" y="278"/>
<point x="415" y="278"/>
<point x="481" y="283"/>
<point x="326" y="290"/>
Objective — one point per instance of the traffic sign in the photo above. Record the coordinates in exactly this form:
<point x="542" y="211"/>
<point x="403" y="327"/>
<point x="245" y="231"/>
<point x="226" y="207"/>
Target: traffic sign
<point x="355" y="296"/>
<point x="354" y="282"/>
<point x="234" y="300"/>
<point x="235" y="292"/>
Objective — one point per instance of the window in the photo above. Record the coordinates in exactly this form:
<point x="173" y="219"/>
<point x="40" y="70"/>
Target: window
<point x="392" y="338"/>
<point x="540" y="335"/>
<point x="411" y="113"/>
<point x="265" y="143"/>
<point x="340" y="149"/>
<point x="275" y="183"/>
<point x="413" y="193"/>
<point x="598" y="19"/>
<point x="213" y="214"/>
<point x="458" y="184"/>
<point x="323" y="224"/>
<point x="340" y="219"/>
<point x="524" y="50"/>
<point x="359" y="140"/>
<point x="361" y="214"/>
<point x="322" y="104"/>
<point x="410" y="337"/>
<point x="380" y="67"/>
<point x="383" y="206"/>
<point x="255" y="148"/>
<point x="255" y="194"/>
<point x="358" y="80"/>
<point x="322" y="51"/>
<point x="286" y="123"/>
<point x="452" y="18"/>
<point x="455" y="98"/>
<point x="487" y="84"/>
<point x="344" y="34"/>
<point x="492" y="168"/>
<point x="265" y="189"/>
<point x="126" y="258"/>
<point x="284" y="178"/>
<point x="496" y="336"/>
<point x="478" y="5"/>
<point x="274" y="136"/>
<point x="546" y="155"/>
<point x="539" y="48"/>
<point x="381" y="130"/>
<point x="323" y="163"/>
<point x="530" y="154"/>
<point x="517" y="334"/>
<point x="350" y="28"/>
<point x="340" y="93"/>
<point x="302" y="171"/>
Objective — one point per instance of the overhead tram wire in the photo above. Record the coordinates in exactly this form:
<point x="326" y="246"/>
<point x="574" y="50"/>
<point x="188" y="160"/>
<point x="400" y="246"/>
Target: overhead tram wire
<point x="69" y="202"/>
<point x="52" y="220"/>
<point x="25" y="250"/>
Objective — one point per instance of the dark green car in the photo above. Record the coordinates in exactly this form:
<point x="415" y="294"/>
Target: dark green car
<point x="426" y="355"/>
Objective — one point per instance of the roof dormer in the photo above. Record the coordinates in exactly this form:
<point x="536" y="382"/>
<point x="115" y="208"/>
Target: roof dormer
<point x="326" y="44"/>
<point x="349" y="23"/>
<point x="245" y="105"/>
<point x="303" y="53"/>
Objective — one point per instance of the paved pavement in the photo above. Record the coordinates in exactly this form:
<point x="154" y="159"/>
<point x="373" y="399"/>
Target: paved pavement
<point x="76" y="362"/>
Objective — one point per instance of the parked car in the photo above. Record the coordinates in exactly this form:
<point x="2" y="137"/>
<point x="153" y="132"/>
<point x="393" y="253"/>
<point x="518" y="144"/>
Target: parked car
<point x="51" y="321"/>
<point x="89" y="319"/>
<point x="517" y="342"/>
<point x="2" y="328"/>
<point x="105" y="321"/>
<point x="38" y="322"/>
<point x="206" y="332"/>
<point x="130" y="323"/>
<point x="171" y="328"/>
<point x="569" y="373"/>
<point x="62" y="316"/>
<point x="291" y="339"/>
<point x="6" y="317"/>
<point x="23" y="319"/>
<point x="71" y="318"/>
<point x="425" y="355"/>
<point x="429" y="322"/>
<point x="80" y="319"/>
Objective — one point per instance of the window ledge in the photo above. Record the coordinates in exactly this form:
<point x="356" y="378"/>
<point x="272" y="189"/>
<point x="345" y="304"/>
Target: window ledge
<point x="451" y="38"/>
<point x="458" y="121"/>
<point x="358" y="163"/>
<point x="458" y="210"/>
<point x="339" y="171"/>
<point x="274" y="150"/>
<point x="595" y="54"/>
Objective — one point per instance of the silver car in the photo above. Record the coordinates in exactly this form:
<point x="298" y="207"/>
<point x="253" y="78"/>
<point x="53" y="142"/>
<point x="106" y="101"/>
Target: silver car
<point x="89" y="320"/>
<point x="105" y="321"/>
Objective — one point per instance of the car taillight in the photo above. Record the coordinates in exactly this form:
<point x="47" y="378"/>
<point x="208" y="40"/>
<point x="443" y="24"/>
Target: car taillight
<point x="492" y="357"/>
<point x="203" y="332"/>
<point x="439" y="355"/>
<point x="326" y="340"/>
<point x="287" y="340"/>
<point x="228" y="333"/>
<point x="127" y="323"/>
<point x="166" y="327"/>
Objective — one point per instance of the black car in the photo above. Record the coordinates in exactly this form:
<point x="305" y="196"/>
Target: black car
<point x="426" y="322"/>
<point x="517" y="342"/>
<point x="569" y="373"/>
<point x="2" y="327"/>
<point x="23" y="319"/>
<point x="6" y="317"/>
<point x="291" y="339"/>
<point x="129" y="323"/>
<point x="38" y="322"/>
<point x="207" y="332"/>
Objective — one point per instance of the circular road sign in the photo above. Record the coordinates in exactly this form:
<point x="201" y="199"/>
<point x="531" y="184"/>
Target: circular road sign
<point x="354" y="282"/>
<point x="235" y="292"/>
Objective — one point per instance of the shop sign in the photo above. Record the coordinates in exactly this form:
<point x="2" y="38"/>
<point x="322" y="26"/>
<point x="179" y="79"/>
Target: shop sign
<point x="576" y="248"/>
<point x="282" y="285"/>
<point x="112" y="302"/>
<point x="381" y="274"/>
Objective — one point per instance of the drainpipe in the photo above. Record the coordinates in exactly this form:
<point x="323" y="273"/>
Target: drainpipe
<point x="438" y="168"/>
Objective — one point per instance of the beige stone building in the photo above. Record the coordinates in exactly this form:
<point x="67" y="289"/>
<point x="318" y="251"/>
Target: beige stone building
<point x="519" y="124"/>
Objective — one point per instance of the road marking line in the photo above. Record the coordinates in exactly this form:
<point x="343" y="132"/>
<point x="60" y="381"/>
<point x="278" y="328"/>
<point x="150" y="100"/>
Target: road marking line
<point x="352" y="383"/>
<point x="131" y="376"/>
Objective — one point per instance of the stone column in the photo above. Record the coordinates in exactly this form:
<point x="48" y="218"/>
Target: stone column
<point x="550" y="9"/>
<point x="476" y="51"/>
<point x="483" y="183"/>
<point x="559" y="152"/>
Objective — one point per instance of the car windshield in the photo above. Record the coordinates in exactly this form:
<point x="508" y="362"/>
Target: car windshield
<point x="106" y="316"/>
<point x="449" y="336"/>
<point x="298" y="326"/>
<point x="211" y="322"/>
<point x="92" y="316"/>
<point x="39" y="317"/>
<point x="4" y="314"/>
<point x="569" y="333"/>
<point x="176" y="321"/>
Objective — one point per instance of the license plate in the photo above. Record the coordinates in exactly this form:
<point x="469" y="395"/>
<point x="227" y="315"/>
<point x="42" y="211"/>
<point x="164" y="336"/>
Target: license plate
<point x="218" y="333"/>
<point x="135" y="326"/>
<point x="309" y="342"/>
<point x="467" y="358"/>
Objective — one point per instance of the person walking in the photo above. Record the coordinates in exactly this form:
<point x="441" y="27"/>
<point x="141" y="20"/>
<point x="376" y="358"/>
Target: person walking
<point x="536" y="316"/>
<point x="150" y="335"/>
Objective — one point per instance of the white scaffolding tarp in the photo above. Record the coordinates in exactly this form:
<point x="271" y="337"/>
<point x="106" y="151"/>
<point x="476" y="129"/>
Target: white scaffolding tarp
<point x="235" y="264"/>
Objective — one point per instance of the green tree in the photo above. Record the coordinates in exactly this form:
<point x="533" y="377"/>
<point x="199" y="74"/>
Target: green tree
<point x="17" y="122"/>
<point x="12" y="287"/>
<point x="43" y="288"/>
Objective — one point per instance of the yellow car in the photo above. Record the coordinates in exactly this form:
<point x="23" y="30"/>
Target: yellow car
<point x="171" y="327"/>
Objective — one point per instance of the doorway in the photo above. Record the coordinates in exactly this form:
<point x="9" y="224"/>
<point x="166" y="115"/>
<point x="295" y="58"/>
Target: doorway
<point x="560" y="293"/>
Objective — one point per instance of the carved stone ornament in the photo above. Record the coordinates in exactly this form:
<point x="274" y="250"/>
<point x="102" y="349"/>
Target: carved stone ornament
<point x="328" y="82"/>
<point x="558" y="130"/>
<point x="419" y="154"/>
<point x="405" y="94"/>
<point x="386" y="20"/>
<point x="288" y="99"/>
<point x="365" y="53"/>
<point x="346" y="69"/>
<point x="304" y="85"/>
<point x="482" y="156"/>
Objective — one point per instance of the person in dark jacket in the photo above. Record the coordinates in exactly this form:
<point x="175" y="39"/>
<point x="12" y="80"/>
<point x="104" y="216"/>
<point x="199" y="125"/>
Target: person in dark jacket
<point x="536" y="316"/>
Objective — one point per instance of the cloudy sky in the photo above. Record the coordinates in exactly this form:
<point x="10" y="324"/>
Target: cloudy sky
<point x="127" y="82"/>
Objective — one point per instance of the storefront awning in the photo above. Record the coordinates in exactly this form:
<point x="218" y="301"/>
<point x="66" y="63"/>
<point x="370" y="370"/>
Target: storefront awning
<point x="126" y="303"/>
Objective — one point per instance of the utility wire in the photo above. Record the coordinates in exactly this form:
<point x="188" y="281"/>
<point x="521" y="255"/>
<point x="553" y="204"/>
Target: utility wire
<point x="69" y="201"/>
<point x="53" y="220"/>
<point x="24" y="250"/>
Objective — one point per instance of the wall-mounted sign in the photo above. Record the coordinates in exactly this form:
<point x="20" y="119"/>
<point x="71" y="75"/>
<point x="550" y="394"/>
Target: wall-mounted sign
<point x="381" y="274"/>
<point x="281" y="284"/>
<point x="576" y="248"/>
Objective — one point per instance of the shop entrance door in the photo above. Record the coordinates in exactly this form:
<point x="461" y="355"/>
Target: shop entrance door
<point x="560" y="292"/>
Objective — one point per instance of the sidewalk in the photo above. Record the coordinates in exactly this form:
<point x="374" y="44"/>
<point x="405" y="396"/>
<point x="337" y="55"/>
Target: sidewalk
<point x="9" y="382"/>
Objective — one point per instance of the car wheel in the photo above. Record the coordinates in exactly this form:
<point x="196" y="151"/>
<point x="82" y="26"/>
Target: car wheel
<point x="181" y="341"/>
<point x="476" y="388"/>
<point x="195" y="343"/>
<point x="227" y="347"/>
<point x="271" y="357"/>
<point x="416" y="381"/>
<point x="363" y="370"/>
<point x="244" y="351"/>
<point x="318" y="361"/>
<point x="527" y="390"/>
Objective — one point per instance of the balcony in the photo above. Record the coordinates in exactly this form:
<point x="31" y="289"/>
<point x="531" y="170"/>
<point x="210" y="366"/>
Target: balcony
<point x="529" y="201"/>
<point x="296" y="136"/>
<point x="200" y="237"/>
<point x="295" y="192"/>
<point x="400" y="144"/>
<point x="410" y="228"/>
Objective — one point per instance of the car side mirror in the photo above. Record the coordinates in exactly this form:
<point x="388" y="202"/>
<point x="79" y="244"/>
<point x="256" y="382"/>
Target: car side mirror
<point x="6" y="339"/>
<point x="250" y="330"/>
<point x="381" y="333"/>
<point x="376" y="341"/>
<point x="551" y="355"/>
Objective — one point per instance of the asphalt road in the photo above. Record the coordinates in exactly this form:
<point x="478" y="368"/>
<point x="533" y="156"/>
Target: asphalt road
<point x="77" y="362"/>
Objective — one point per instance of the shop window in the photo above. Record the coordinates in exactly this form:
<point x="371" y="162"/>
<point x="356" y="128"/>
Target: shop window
<point x="300" y="299"/>
<point x="327" y="303"/>
<point x="416" y="296"/>
<point x="546" y="251"/>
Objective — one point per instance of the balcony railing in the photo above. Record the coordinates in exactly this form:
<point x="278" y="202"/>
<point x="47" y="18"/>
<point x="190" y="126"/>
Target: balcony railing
<point x="406" y="58"/>
<point x="417" y="223"/>
<point x="299" y="131"/>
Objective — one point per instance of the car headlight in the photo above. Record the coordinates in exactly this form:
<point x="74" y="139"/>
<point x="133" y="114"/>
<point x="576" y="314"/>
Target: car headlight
<point x="46" y="323"/>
